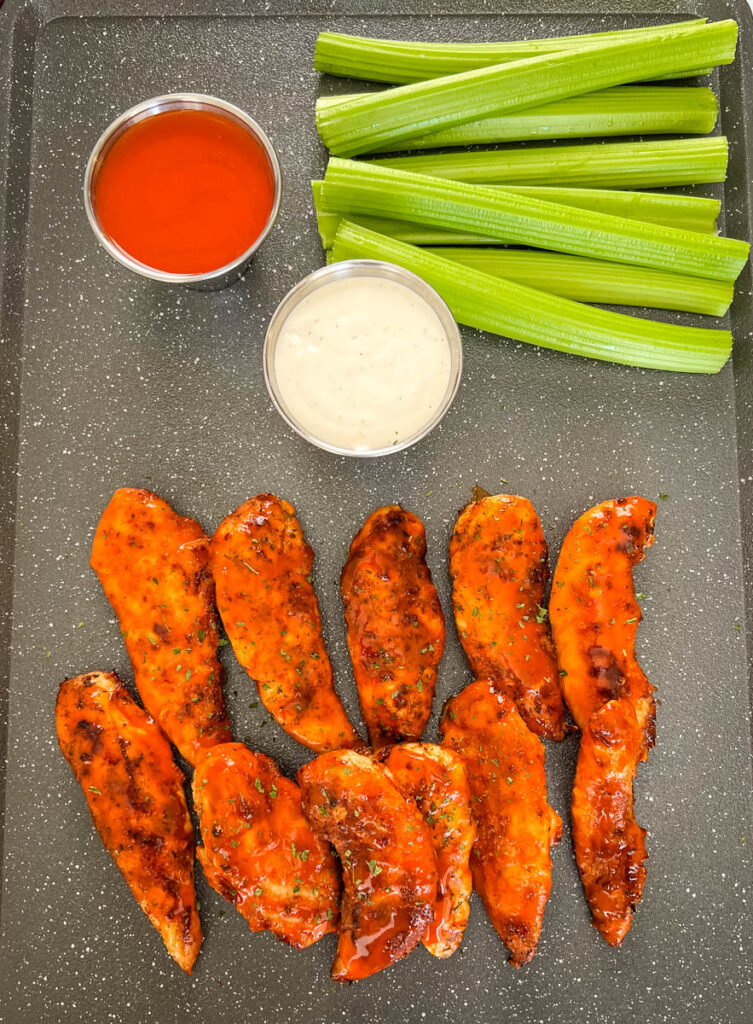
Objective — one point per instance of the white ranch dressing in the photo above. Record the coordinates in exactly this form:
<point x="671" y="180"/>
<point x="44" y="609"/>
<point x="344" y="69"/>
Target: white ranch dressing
<point x="362" y="362"/>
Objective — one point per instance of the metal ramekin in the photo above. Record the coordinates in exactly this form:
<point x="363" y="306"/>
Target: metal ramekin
<point x="222" y="276"/>
<point x="363" y="268"/>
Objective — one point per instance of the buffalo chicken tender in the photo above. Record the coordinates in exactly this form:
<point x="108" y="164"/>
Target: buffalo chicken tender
<point x="499" y="569"/>
<point x="609" y="845"/>
<point x="259" y="852"/>
<point x="395" y="624"/>
<point x="154" y="567"/>
<point x="595" y="615"/>
<point x="388" y="862"/>
<point x="262" y="570"/>
<point x="516" y="827"/>
<point x="435" y="778"/>
<point x="134" y="790"/>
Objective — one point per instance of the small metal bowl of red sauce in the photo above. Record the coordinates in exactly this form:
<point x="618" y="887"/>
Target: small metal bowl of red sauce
<point x="183" y="189"/>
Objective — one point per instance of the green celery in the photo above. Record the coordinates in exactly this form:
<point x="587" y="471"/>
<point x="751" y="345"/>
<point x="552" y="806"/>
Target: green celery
<point x="653" y="164"/>
<point x="586" y="280"/>
<point x="364" y="188"/>
<point x="623" y="110"/>
<point x="402" y="62"/>
<point x="416" y="234"/>
<point x="526" y="314"/>
<point x="376" y="120"/>
<point x="693" y="213"/>
<point x="328" y="221"/>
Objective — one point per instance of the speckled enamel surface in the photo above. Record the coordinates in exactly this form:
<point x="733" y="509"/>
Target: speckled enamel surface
<point x="117" y="381"/>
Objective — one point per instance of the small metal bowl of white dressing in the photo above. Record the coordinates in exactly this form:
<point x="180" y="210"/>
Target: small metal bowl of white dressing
<point x="362" y="358"/>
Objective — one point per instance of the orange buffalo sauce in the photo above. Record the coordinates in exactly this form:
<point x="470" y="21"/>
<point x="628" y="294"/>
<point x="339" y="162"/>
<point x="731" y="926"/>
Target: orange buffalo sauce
<point x="185" y="191"/>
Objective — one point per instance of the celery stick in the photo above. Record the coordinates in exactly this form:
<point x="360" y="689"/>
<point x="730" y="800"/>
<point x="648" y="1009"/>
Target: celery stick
<point x="623" y="110"/>
<point x="527" y="314"/>
<point x="693" y="213"/>
<point x="575" y="277"/>
<point x="401" y="62"/>
<point x="364" y="188"/>
<point x="375" y="120"/>
<point x="416" y="234"/>
<point x="327" y="225"/>
<point x="652" y="164"/>
<point x="328" y="221"/>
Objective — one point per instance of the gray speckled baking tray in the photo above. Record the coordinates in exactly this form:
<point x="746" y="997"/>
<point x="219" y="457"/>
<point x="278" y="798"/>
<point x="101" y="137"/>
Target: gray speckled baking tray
<point x="109" y="380"/>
